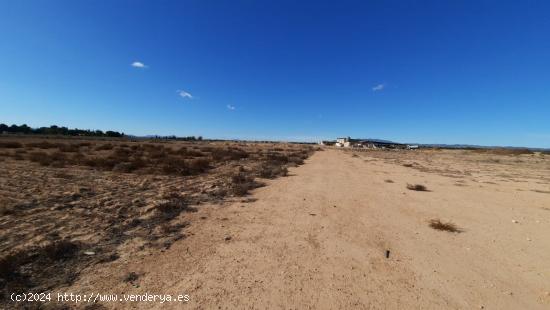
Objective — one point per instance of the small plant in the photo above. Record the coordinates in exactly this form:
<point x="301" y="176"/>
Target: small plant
<point x="131" y="277"/>
<point x="417" y="187"/>
<point x="448" y="226"/>
<point x="388" y="181"/>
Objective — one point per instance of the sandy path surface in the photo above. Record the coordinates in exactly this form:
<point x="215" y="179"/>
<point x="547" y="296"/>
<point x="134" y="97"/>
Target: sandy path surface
<point x="318" y="238"/>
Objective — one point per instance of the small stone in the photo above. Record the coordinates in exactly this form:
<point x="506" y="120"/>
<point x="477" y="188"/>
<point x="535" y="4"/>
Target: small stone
<point x="227" y="238"/>
<point x="515" y="221"/>
<point x="89" y="253"/>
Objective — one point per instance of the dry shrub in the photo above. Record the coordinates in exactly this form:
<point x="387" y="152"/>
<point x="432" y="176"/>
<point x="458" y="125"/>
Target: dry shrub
<point x="60" y="250"/>
<point x="198" y="165"/>
<point x="121" y="153"/>
<point x="504" y="151"/>
<point x="174" y="165"/>
<point x="157" y="153"/>
<point x="242" y="183"/>
<point x="448" y="226"/>
<point x="44" y="145"/>
<point x="103" y="163"/>
<point x="40" y="268"/>
<point x="270" y="171"/>
<point x="417" y="187"/>
<point x="133" y="165"/>
<point x="84" y="144"/>
<point x="220" y="154"/>
<point x="69" y="148"/>
<point x="40" y="157"/>
<point x="10" y="145"/>
<point x="297" y="160"/>
<point x="172" y="207"/>
<point x="77" y="158"/>
<point x="104" y="147"/>
<point x="188" y="152"/>
<point x="125" y="167"/>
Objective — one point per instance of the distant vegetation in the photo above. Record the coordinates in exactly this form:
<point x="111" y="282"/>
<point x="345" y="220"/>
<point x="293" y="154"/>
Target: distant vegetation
<point x="56" y="130"/>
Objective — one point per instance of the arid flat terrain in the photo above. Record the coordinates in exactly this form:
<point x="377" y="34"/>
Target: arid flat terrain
<point x="426" y="229"/>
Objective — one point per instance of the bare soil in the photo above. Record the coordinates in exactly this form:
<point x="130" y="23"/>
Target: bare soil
<point x="343" y="231"/>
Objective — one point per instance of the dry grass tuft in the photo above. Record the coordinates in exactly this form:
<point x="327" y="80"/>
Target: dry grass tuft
<point x="417" y="187"/>
<point x="448" y="226"/>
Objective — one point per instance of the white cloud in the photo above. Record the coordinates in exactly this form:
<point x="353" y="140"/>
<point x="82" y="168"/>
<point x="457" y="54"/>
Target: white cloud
<point x="378" y="87"/>
<point x="185" y="94"/>
<point x="230" y="107"/>
<point x="139" y="64"/>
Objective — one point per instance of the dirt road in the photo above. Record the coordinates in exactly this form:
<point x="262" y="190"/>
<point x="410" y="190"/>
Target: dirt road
<point x="318" y="239"/>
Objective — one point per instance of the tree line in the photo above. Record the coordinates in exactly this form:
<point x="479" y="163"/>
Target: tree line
<point x="57" y="130"/>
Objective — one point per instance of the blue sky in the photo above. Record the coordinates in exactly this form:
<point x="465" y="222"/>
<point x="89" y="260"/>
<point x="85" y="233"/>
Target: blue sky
<point x="474" y="72"/>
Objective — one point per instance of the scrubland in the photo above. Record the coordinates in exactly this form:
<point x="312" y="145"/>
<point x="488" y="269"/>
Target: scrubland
<point x="68" y="204"/>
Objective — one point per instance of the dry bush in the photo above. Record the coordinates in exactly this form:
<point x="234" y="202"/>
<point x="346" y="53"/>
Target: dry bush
<point x="19" y="154"/>
<point x="198" y="165"/>
<point x="121" y="154"/>
<point x="417" y="187"/>
<point x="188" y="152"/>
<point x="60" y="250"/>
<point x="504" y="151"/>
<point x="44" y="145"/>
<point x="133" y="165"/>
<point x="40" y="157"/>
<point x="172" y="207"/>
<point x="69" y="148"/>
<point x="84" y="144"/>
<point x="220" y="154"/>
<point x="448" y="226"/>
<point x="10" y="145"/>
<point x="103" y="163"/>
<point x="40" y="268"/>
<point x="270" y="171"/>
<point x="241" y="183"/>
<point x="173" y="165"/>
<point x="104" y="147"/>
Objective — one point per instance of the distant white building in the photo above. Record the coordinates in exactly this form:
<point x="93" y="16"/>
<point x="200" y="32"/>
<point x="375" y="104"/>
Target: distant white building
<point x="343" y="142"/>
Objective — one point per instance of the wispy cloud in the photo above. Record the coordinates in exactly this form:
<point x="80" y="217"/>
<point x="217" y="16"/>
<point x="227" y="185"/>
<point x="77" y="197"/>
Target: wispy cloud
<point x="185" y="94"/>
<point x="230" y="107"/>
<point x="138" y="64"/>
<point x="378" y="87"/>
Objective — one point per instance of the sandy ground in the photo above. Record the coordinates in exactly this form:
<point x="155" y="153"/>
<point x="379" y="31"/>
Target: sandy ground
<point x="318" y="238"/>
